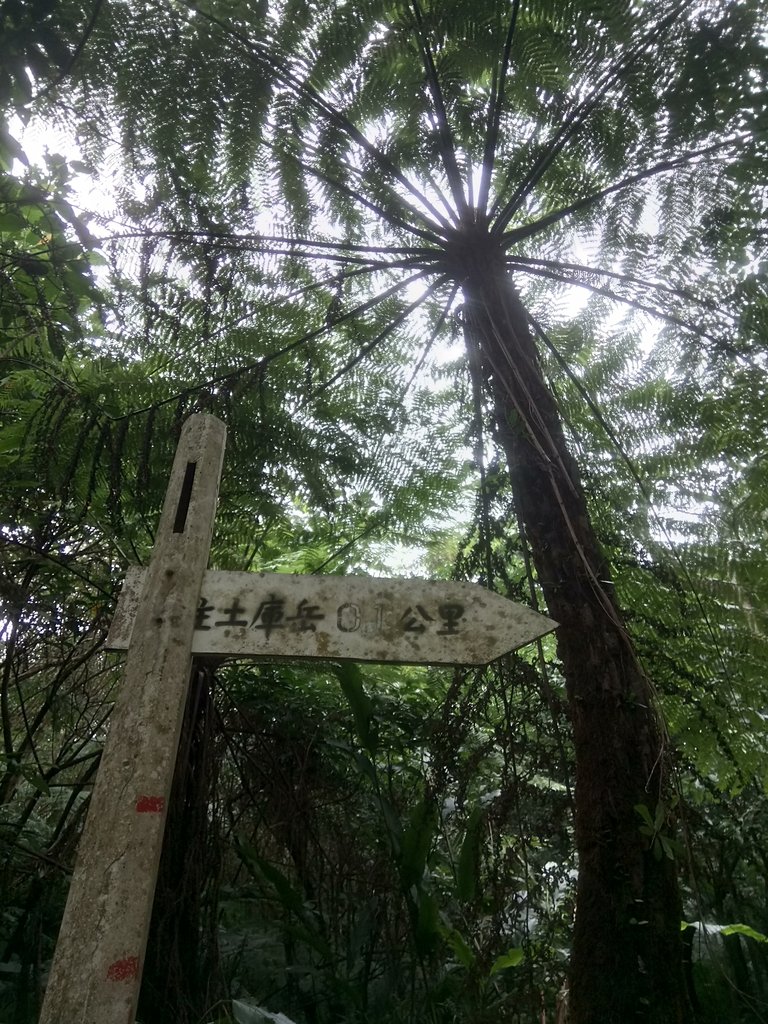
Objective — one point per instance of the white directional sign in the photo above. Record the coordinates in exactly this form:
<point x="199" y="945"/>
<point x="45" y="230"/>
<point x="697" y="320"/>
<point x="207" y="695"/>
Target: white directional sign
<point x="355" y="618"/>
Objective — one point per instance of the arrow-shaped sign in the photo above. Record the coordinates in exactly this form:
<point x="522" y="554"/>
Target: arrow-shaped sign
<point x="276" y="616"/>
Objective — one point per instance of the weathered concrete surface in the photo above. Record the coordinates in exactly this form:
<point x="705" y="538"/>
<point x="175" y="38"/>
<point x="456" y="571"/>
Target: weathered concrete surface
<point x="96" y="971"/>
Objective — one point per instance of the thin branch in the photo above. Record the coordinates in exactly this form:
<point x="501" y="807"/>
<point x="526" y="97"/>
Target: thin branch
<point x="375" y="520"/>
<point x="323" y="282"/>
<point x="386" y="216"/>
<point x="180" y="233"/>
<point x="336" y="254"/>
<point x="256" y="239"/>
<point x="331" y="278"/>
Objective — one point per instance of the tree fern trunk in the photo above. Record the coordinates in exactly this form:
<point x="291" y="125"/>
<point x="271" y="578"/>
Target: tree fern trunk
<point x="626" y="959"/>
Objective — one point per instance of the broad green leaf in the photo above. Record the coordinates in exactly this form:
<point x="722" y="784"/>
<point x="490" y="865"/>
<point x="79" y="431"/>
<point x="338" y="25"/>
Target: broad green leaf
<point x="35" y="779"/>
<point x="744" y="929"/>
<point x="512" y="958"/>
<point x="12" y="223"/>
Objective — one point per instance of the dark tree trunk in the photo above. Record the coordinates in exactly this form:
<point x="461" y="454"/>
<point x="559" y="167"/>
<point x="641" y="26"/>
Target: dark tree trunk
<point x="626" y="962"/>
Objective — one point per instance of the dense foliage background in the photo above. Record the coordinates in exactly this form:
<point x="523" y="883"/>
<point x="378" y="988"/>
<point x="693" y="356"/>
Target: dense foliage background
<point x="288" y="194"/>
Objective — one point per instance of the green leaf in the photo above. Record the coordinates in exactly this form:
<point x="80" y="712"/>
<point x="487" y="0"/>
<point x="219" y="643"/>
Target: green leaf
<point x="456" y="941"/>
<point x="744" y="929"/>
<point x="35" y="779"/>
<point x="645" y="814"/>
<point x="672" y="847"/>
<point x="512" y="958"/>
<point x="12" y="223"/>
<point x="351" y="680"/>
<point x="366" y="766"/>
<point x="290" y="897"/>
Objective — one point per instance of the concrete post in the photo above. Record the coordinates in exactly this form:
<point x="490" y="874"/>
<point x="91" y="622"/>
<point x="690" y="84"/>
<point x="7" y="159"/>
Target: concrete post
<point x="97" y="967"/>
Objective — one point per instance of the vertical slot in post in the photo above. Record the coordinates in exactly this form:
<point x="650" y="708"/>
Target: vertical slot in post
<point x="184" y="498"/>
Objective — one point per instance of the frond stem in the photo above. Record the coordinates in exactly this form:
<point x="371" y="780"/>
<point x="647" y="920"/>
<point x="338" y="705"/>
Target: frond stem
<point x="366" y="349"/>
<point x="528" y="230"/>
<point x="447" y="145"/>
<point x="607" y="293"/>
<point x="494" y="114"/>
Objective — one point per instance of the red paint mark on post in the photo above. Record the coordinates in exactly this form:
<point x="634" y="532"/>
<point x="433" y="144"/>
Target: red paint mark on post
<point x="123" y="970"/>
<point x="150" y="804"/>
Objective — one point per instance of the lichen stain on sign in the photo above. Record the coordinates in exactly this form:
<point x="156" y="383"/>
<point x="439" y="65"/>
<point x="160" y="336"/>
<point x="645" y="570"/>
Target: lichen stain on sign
<point x="276" y="616"/>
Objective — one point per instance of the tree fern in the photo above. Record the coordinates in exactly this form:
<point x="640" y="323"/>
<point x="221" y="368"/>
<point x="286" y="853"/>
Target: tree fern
<point x="406" y="147"/>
